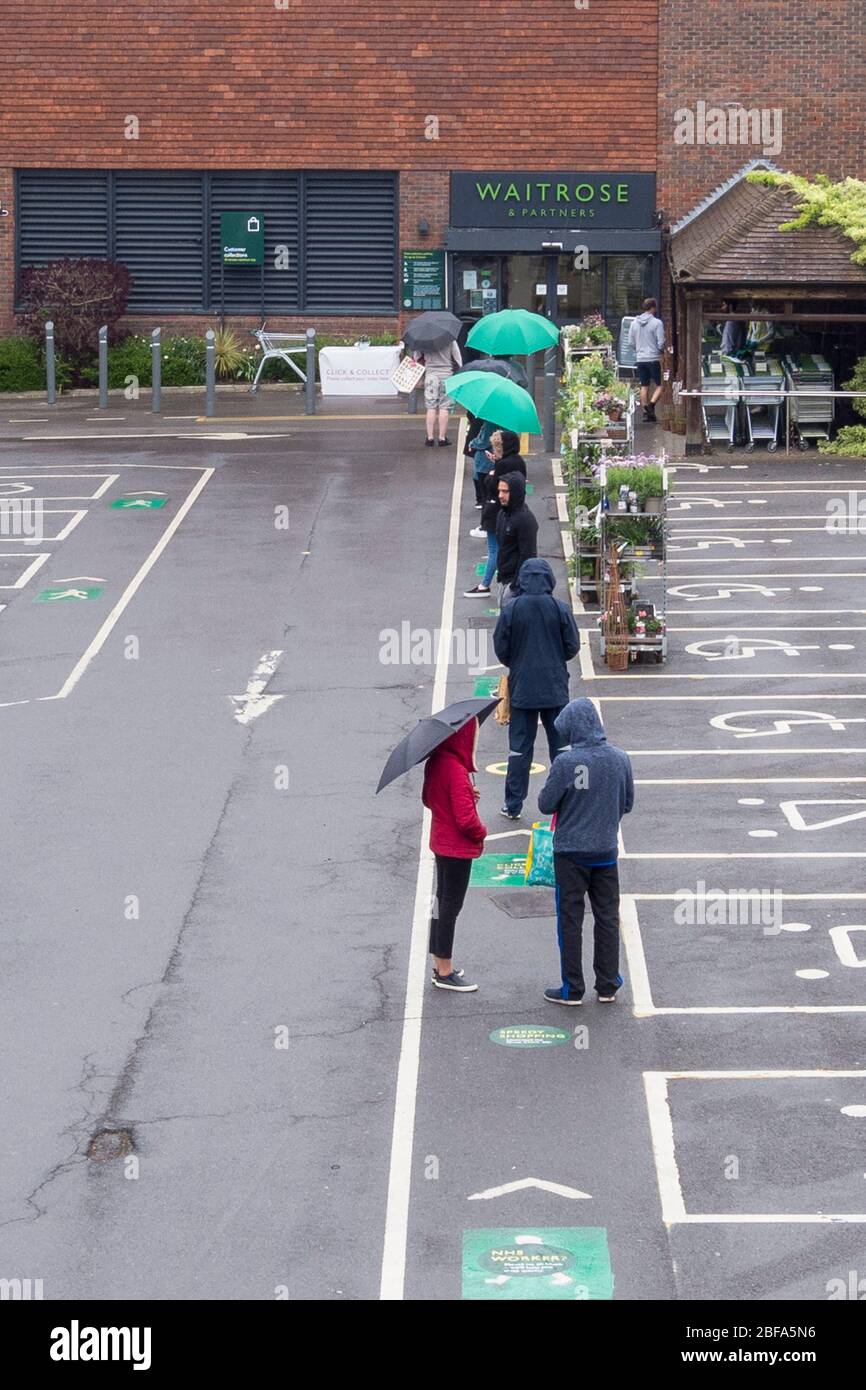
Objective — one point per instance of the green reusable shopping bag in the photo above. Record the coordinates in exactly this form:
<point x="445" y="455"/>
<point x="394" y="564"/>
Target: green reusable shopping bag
<point x="539" y="860"/>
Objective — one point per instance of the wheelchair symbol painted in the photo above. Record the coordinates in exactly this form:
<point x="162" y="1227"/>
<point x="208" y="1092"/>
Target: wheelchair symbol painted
<point x="784" y="721"/>
<point x="735" y="649"/>
<point x="722" y="589"/>
<point x="706" y="540"/>
<point x="693" y="501"/>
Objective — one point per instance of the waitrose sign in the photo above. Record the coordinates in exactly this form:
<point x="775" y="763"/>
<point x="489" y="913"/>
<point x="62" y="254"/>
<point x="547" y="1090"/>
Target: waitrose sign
<point x="508" y="199"/>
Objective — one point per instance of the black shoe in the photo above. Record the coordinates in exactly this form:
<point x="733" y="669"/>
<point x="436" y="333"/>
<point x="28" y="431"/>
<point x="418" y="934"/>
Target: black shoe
<point x="561" y="995"/>
<point x="606" y="998"/>
<point x="444" y="443"/>
<point x="509" y="815"/>
<point x="431" y="443"/>
<point x="453" y="981"/>
<point x="478" y="592"/>
<point x="651" y="415"/>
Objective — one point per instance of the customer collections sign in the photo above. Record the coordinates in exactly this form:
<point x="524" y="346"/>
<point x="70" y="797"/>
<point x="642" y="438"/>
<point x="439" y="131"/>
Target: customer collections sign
<point x="242" y="235"/>
<point x="555" y="200"/>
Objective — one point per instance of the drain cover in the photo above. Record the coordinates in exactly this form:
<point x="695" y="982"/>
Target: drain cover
<point x="528" y="902"/>
<point x="108" y="1144"/>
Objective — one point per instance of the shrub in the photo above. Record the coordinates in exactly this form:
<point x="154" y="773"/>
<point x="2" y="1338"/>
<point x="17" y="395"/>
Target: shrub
<point x="183" y="360"/>
<point x="21" y="365"/>
<point x="858" y="383"/>
<point x="850" y="442"/>
<point x="79" y="296"/>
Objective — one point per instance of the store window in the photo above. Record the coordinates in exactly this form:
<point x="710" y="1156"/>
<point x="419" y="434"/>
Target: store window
<point x="628" y="284"/>
<point x="579" y="292"/>
<point x="527" y="283"/>
<point x="477" y="286"/>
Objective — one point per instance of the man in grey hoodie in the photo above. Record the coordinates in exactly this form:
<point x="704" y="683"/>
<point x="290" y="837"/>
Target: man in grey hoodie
<point x="647" y="337"/>
<point x="591" y="788"/>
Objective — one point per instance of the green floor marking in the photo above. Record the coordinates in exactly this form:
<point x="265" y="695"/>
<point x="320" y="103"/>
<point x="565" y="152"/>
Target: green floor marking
<point x="522" y="1263"/>
<point x="530" y="488"/>
<point x="480" y="569"/>
<point x="127" y="503"/>
<point x="530" y="1035"/>
<point x="486" y="685"/>
<point x="59" y="593"/>
<point x="498" y="871"/>
<point x="491" y="612"/>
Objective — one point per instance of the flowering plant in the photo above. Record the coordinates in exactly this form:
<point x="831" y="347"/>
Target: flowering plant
<point x="592" y="331"/>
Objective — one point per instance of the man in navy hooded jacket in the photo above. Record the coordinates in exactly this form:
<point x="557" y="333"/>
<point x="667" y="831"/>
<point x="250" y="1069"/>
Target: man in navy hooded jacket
<point x="535" y="637"/>
<point x="591" y="788"/>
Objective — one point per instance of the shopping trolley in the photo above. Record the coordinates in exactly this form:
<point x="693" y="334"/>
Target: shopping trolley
<point x="811" y="414"/>
<point x="763" y="395"/>
<point x="277" y="345"/>
<point x="719" y="402"/>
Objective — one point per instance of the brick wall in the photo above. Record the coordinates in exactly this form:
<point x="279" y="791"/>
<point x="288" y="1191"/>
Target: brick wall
<point x="806" y="60"/>
<point x="7" y="249"/>
<point x="325" y="84"/>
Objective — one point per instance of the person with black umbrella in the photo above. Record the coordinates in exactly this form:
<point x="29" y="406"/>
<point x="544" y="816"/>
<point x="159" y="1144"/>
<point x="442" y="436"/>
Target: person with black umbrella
<point x="457" y="837"/>
<point x="431" y="337"/>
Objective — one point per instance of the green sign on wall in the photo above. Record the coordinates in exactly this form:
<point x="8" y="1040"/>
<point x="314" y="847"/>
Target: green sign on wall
<point x="242" y="235"/>
<point x="423" y="284"/>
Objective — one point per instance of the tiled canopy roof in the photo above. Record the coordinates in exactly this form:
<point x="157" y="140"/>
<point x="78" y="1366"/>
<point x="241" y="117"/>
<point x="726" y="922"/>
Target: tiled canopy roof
<point x="735" y="237"/>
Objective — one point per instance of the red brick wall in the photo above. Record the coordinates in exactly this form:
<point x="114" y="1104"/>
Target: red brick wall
<point x="330" y="84"/>
<point x="7" y="249"/>
<point x="809" y="60"/>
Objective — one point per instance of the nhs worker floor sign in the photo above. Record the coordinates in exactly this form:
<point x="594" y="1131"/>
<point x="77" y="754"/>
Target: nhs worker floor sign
<point x="242" y="236"/>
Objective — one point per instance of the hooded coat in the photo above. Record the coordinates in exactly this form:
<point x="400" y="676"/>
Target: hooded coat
<point x="535" y="636"/>
<point x="590" y="786"/>
<point x="516" y="531"/>
<point x="448" y="793"/>
<point x="647" y="337"/>
<point x="511" y="462"/>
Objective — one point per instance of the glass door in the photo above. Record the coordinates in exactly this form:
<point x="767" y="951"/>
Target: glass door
<point x="477" y="291"/>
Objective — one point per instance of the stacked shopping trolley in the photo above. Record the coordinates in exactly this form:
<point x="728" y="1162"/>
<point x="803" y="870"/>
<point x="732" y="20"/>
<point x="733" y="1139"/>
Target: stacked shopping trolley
<point x="806" y="377"/>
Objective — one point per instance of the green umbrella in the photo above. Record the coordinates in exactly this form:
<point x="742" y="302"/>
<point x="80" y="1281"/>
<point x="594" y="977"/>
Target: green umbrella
<point x="512" y="330"/>
<point x="491" y="397"/>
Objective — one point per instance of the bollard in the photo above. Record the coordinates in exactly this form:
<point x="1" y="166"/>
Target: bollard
<point x="310" y="403"/>
<point x="155" y="371"/>
<point x="103" y="368"/>
<point x="210" y="373"/>
<point x="412" y="407"/>
<point x="530" y="373"/>
<point x="551" y="358"/>
<point x="50" y="377"/>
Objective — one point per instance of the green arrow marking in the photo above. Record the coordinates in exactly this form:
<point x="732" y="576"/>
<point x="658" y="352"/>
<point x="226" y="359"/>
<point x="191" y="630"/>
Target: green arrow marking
<point x="60" y="593"/>
<point x="498" y="871"/>
<point x="537" y="1263"/>
<point x="127" y="503"/>
<point x="486" y="685"/>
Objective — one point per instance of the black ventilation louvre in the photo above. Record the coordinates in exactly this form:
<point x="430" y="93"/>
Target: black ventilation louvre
<point x="351" y="255"/>
<point x="159" y="235"/>
<point x="277" y="198"/>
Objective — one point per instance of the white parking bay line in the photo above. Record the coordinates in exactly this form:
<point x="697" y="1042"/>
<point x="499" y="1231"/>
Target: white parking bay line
<point x="37" y="562"/>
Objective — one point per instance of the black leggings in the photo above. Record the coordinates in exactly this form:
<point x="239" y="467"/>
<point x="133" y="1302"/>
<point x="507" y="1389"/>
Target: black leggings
<point x="452" y="881"/>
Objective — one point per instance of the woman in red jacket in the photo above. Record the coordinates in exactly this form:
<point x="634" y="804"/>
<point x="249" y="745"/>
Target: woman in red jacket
<point x="456" y="838"/>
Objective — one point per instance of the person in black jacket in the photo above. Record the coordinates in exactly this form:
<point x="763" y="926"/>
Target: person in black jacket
<point x="516" y="533"/>
<point x="535" y="637"/>
<point x="504" y="458"/>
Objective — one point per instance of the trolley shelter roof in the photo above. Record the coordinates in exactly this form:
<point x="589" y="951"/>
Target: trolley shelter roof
<point x="735" y="238"/>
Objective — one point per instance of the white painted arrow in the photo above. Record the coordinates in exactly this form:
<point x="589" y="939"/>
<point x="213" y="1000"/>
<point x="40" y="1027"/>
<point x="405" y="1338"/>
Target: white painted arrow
<point x="254" y="702"/>
<point x="145" y="492"/>
<point x="556" y="1188"/>
<point x="75" y="578"/>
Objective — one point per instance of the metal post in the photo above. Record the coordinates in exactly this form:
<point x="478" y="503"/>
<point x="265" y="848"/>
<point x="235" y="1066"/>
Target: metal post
<point x="551" y="357"/>
<point x="210" y="372"/>
<point x="155" y="370"/>
<point x="787" y="423"/>
<point x="50" y="377"/>
<point x="412" y="407"/>
<point x="530" y="373"/>
<point x="103" y="368"/>
<point x="310" y="403"/>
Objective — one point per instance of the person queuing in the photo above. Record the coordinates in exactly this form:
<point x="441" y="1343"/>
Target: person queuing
<point x="456" y="838"/>
<point x="647" y="337"/>
<point x="478" y="449"/>
<point x="535" y="637"/>
<point x="516" y="533"/>
<point x="439" y="366"/>
<point x="591" y="788"/>
<point x="502" y="457"/>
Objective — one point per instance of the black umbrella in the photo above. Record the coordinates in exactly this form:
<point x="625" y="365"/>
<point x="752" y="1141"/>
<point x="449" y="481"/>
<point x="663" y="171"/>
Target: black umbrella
<point x="428" y="733"/>
<point x="435" y="329"/>
<point x="502" y="366"/>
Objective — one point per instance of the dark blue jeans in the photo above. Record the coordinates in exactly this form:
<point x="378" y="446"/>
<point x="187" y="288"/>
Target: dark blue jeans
<point x="521" y="746"/>
<point x="573" y="882"/>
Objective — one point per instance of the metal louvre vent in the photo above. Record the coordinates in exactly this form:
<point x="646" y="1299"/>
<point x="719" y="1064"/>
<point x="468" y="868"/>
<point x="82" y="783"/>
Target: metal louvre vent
<point x="276" y="197"/>
<point x="351" y="259"/>
<point x="60" y="212"/>
<point x="159" y="235"/>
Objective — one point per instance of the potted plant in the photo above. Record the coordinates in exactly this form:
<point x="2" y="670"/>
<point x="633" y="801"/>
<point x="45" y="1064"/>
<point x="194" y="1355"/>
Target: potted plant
<point x="610" y="404"/>
<point x="592" y="331"/>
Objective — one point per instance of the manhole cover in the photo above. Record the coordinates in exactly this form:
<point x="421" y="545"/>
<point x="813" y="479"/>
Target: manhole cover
<point x="527" y="902"/>
<point x="108" y="1144"/>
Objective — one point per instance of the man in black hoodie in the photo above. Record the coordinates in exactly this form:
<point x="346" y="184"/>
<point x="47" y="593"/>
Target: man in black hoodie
<point x="535" y="637"/>
<point x="516" y="533"/>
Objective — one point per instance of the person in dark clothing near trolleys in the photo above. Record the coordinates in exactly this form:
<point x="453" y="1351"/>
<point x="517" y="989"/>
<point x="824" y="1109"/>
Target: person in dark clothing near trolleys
<point x="591" y="788"/>
<point x="503" y="457"/>
<point x="535" y="637"/>
<point x="516" y="533"/>
<point x="456" y="838"/>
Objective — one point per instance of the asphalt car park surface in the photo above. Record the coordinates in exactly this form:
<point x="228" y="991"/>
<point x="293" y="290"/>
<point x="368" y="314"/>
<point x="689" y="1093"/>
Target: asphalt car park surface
<point x="215" y="932"/>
